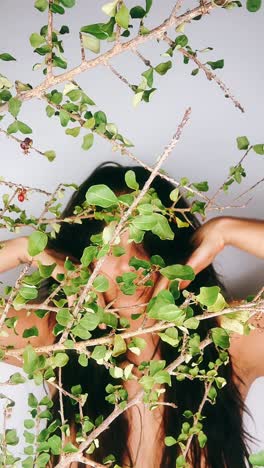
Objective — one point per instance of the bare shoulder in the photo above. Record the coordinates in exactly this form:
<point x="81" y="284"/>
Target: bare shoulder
<point x="247" y="352"/>
<point x="26" y="319"/>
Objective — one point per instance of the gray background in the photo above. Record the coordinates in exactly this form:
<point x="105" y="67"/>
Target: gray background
<point x="208" y="145"/>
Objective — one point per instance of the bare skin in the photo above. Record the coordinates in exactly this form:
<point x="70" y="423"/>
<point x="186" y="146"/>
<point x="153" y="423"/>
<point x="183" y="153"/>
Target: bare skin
<point x="246" y="352"/>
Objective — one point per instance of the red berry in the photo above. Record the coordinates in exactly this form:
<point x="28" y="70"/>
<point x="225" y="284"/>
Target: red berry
<point x="21" y="195"/>
<point x="23" y="146"/>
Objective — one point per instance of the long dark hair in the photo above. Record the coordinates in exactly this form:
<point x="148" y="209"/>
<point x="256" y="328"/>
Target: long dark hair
<point x="226" y="438"/>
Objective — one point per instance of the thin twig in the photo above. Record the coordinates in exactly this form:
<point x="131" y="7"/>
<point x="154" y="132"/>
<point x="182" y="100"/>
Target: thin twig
<point x="250" y="188"/>
<point x="209" y="74"/>
<point x="117" y="49"/>
<point x="50" y="30"/>
<point x="117" y="411"/>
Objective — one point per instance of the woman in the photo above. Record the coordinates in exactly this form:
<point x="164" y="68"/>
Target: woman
<point x="136" y="438"/>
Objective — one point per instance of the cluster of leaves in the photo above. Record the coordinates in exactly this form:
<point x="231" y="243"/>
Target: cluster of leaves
<point x="73" y="105"/>
<point x="237" y="172"/>
<point x="39" y="41"/>
<point x="181" y="333"/>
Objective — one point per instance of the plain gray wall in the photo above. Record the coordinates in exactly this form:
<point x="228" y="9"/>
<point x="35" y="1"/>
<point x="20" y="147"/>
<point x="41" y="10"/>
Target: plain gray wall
<point x="208" y="145"/>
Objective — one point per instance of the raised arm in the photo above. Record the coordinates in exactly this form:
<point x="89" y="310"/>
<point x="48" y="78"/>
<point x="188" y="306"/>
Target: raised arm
<point x="214" y="235"/>
<point x="13" y="253"/>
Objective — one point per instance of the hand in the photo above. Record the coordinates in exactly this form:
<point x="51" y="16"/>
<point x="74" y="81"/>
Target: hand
<point x="208" y="241"/>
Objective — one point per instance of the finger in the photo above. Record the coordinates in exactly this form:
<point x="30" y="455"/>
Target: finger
<point x="200" y="259"/>
<point x="162" y="283"/>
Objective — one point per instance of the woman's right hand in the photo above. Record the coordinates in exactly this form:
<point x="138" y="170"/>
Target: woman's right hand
<point x="243" y="233"/>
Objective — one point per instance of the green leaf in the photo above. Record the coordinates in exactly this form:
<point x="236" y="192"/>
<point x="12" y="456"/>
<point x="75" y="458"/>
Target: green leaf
<point x="37" y="242"/>
<point x="12" y="128"/>
<point x="73" y="131"/>
<point x="30" y="359"/>
<point x="99" y="352"/>
<point x="110" y="8"/>
<point x="148" y="5"/>
<point x="208" y="295"/>
<point x="17" y="378"/>
<point x="11" y="437"/>
<point x="41" y="5"/>
<point x="242" y="142"/>
<point x="259" y="149"/>
<point x="55" y="8"/>
<point x="162" y="228"/>
<point x="191" y="323"/>
<point x="144" y="222"/>
<point x="55" y="445"/>
<point x="156" y="366"/>
<point x="201" y="186"/>
<point x="198" y="207"/>
<point x="91" y="42"/>
<point x="169" y="312"/>
<point x="257" y="459"/>
<point x="70" y="448"/>
<point x="122" y="16"/>
<point x="83" y="360"/>
<point x="137" y="12"/>
<point x="162" y="68"/>
<point x="64" y="29"/>
<point x="119" y="346"/>
<point x="63" y="317"/>
<point x="46" y="270"/>
<point x="50" y="155"/>
<point x="217" y="64"/>
<point x="59" y="62"/>
<point x="61" y="359"/>
<point x="170" y="336"/>
<point x="28" y="292"/>
<point x="64" y="117"/>
<point x="36" y="40"/>
<point x="90" y="321"/>
<point x="101" y="283"/>
<point x="23" y="128"/>
<point x="6" y="57"/>
<point x="88" y="255"/>
<point x="5" y="95"/>
<point x="81" y="331"/>
<point x="173" y="272"/>
<point x="96" y="30"/>
<point x="29" y="423"/>
<point x="253" y="5"/>
<point x="169" y="441"/>
<point x="118" y="251"/>
<point x="148" y="74"/>
<point x="32" y="401"/>
<point x="101" y="195"/>
<point x="88" y="141"/>
<point x="42" y="460"/>
<point x="68" y="3"/>
<point x="181" y="41"/>
<point x="195" y="71"/>
<point x="130" y="178"/>
<point x="219" y="305"/>
<point x="33" y="331"/>
<point x="220" y="337"/>
<point x="14" y="106"/>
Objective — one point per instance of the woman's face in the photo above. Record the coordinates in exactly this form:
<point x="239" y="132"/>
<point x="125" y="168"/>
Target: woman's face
<point x="116" y="266"/>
